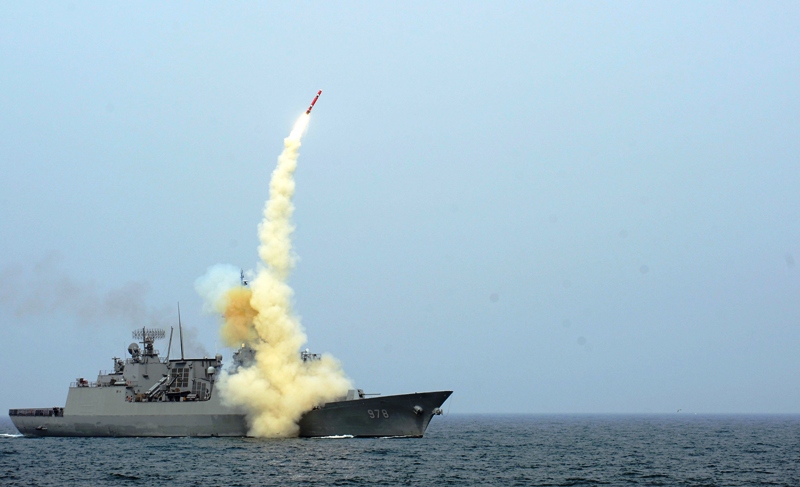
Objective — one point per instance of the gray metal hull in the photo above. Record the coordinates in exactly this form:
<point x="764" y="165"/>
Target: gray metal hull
<point x="401" y="415"/>
<point x="141" y="425"/>
<point x="103" y="412"/>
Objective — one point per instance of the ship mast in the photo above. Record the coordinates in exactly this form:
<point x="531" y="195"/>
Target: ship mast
<point x="169" y="347"/>
<point x="180" y="329"/>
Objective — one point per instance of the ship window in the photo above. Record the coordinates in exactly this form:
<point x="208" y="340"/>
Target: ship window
<point x="181" y="376"/>
<point x="199" y="388"/>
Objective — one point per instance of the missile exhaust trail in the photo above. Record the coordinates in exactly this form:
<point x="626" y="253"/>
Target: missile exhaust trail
<point x="278" y="387"/>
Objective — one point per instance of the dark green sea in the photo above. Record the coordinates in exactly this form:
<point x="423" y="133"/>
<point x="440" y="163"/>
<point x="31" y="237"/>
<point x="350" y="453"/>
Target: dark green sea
<point x="535" y="450"/>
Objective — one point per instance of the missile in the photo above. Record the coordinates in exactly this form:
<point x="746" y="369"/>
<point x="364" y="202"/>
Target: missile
<point x="314" y="101"/>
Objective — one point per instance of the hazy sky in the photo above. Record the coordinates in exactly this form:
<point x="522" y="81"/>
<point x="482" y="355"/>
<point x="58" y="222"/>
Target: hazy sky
<point x="561" y="207"/>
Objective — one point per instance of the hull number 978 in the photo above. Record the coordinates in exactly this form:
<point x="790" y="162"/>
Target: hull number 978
<point x="377" y="413"/>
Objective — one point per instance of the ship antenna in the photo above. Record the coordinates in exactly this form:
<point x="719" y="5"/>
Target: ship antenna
<point x="180" y="329"/>
<point x="169" y="347"/>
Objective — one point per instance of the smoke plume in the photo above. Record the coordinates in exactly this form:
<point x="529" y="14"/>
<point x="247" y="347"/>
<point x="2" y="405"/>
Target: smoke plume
<point x="47" y="289"/>
<point x="279" y="387"/>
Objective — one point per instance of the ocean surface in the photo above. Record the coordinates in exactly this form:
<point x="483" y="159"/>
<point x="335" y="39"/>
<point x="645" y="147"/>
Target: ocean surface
<point x="457" y="450"/>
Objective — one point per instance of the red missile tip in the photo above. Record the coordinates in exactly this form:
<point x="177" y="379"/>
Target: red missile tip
<point x="312" y="102"/>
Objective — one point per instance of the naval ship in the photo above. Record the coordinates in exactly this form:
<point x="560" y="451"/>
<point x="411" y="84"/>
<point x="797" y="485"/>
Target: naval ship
<point x="145" y="395"/>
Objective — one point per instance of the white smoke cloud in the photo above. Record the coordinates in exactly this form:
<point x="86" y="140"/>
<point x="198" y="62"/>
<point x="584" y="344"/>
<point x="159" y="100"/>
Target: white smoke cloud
<point x="214" y="285"/>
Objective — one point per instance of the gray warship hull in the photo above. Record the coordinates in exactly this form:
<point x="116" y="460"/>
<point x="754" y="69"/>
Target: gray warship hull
<point x="103" y="411"/>
<point x="103" y="414"/>
<point x="147" y="396"/>
<point x="402" y="415"/>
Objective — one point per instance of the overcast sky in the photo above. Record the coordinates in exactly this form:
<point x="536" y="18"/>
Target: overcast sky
<point x="561" y="207"/>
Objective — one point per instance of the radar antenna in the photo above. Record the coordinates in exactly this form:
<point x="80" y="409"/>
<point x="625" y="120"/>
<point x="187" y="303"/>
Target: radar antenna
<point x="147" y="336"/>
<point x="151" y="333"/>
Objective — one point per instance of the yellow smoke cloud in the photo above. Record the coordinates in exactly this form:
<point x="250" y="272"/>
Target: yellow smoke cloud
<point x="238" y="317"/>
<point x="279" y="387"/>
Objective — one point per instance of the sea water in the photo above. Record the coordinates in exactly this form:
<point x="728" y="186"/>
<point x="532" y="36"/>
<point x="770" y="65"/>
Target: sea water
<point x="456" y="450"/>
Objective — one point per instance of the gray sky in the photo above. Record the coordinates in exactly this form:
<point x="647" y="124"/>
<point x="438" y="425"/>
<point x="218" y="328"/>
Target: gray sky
<point x="546" y="207"/>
